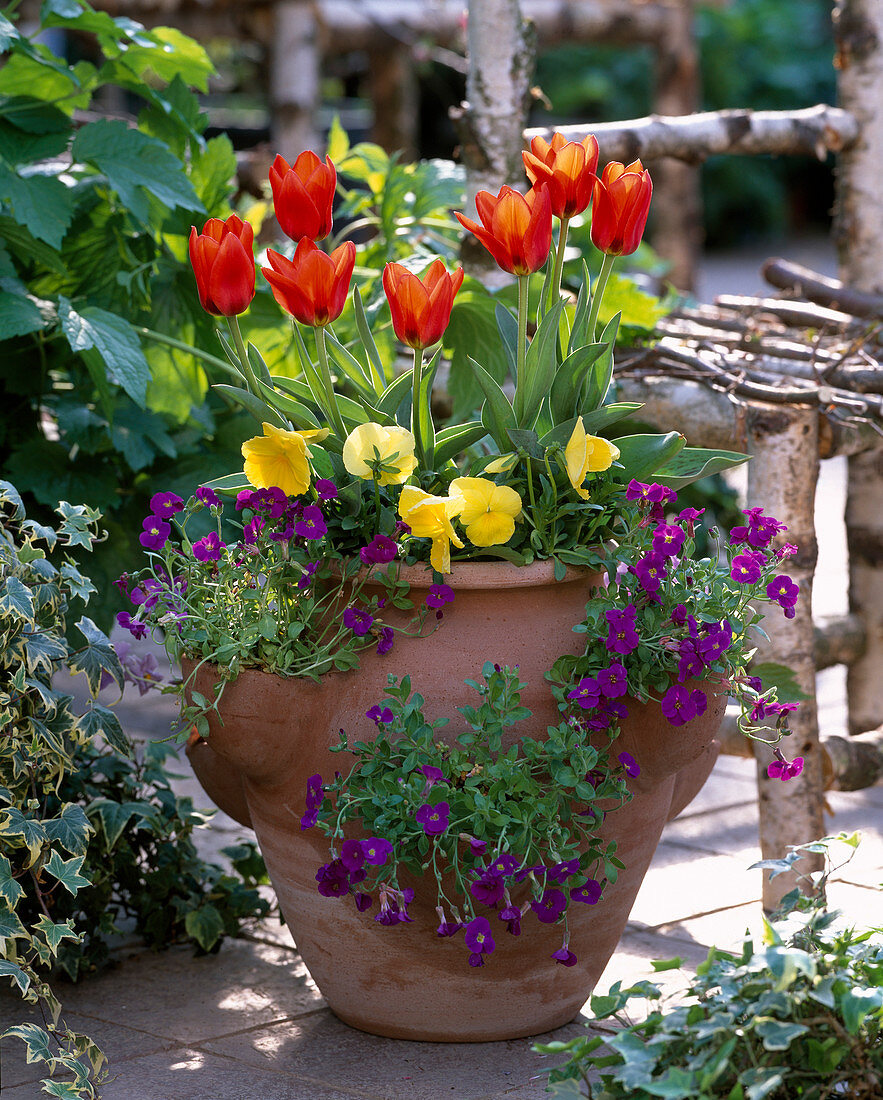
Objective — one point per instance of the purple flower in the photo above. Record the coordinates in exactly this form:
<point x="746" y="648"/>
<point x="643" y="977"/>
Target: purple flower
<point x="314" y="799"/>
<point x="650" y="571"/>
<point x="166" y="505"/>
<point x="688" y="517"/>
<point x="431" y="774"/>
<point x="562" y="871"/>
<point x="309" y="571"/>
<point x="377" y="715"/>
<point x="504" y="864"/>
<point x="679" y="615"/>
<point x="629" y="764"/>
<point x="245" y="499"/>
<point x="326" y="489"/>
<point x="550" y="906"/>
<point x="142" y="671"/>
<point x="351" y="855"/>
<point x="636" y="490"/>
<point x="333" y="879"/>
<point x="394" y="905"/>
<point x="358" y="620"/>
<point x="207" y="496"/>
<point x="376" y="850"/>
<point x="209" y="548"/>
<point x="612" y="681"/>
<point x="250" y="532"/>
<point x="511" y="914"/>
<point x="434" y="819"/>
<point x="155" y="534"/>
<point x="387" y="637"/>
<point x="782" y="769"/>
<point x="589" y="893"/>
<point x="363" y="901"/>
<point x="747" y="567"/>
<point x="564" y="955"/>
<point x="439" y="595"/>
<point x="488" y="888"/>
<point x="312" y="524"/>
<point x="763" y="530"/>
<point x="122" y="584"/>
<point x="136" y="629"/>
<point x="668" y="540"/>
<point x="379" y="551"/>
<point x="448" y="928"/>
<point x="679" y="705"/>
<point x="786" y="550"/>
<point x="477" y="936"/>
<point x="783" y="591"/>
<point x="738" y="536"/>
<point x="718" y="639"/>
<point x="690" y="663"/>
<point x="622" y="636"/>
<point x="271" y="501"/>
<point x="476" y="846"/>
<point x="587" y="693"/>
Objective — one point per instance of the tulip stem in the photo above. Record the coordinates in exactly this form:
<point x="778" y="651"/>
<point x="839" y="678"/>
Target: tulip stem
<point x="555" y="288"/>
<point x="521" y="347"/>
<point x="416" y="428"/>
<point x="251" y="381"/>
<point x="331" y="410"/>
<point x="598" y="294"/>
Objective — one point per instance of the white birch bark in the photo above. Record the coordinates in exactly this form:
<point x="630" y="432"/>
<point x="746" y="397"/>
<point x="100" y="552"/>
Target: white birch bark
<point x="294" y="78"/>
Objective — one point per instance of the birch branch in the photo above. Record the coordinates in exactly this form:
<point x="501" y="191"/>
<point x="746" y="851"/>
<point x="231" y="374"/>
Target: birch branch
<point x="805" y="283"/>
<point x="816" y="131"/>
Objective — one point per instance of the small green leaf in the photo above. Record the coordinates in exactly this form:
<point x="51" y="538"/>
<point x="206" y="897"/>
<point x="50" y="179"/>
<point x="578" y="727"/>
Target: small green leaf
<point x="67" y="871"/>
<point x="16" y="600"/>
<point x="71" y="828"/>
<point x="12" y="970"/>
<point x="205" y="925"/>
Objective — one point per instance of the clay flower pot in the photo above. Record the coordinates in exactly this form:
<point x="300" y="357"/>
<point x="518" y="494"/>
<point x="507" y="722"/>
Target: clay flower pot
<point x="404" y="981"/>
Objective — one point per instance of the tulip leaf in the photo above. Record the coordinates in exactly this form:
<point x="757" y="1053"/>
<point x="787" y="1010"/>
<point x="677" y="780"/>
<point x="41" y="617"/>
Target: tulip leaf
<point x="231" y="354"/>
<point x="380" y="373"/>
<point x="541" y="364"/>
<point x="229" y="483"/>
<point x="299" y="414"/>
<point x="579" y="333"/>
<point x="257" y="364"/>
<point x="641" y="455"/>
<point x="692" y="463"/>
<point x="598" y="379"/>
<point x="331" y="405"/>
<point x="393" y="397"/>
<point x="451" y="441"/>
<point x="570" y="378"/>
<point x="351" y="367"/>
<point x="508" y="329"/>
<point x="421" y="417"/>
<point x="496" y="413"/>
<point x="527" y="441"/>
<point x="255" y="406"/>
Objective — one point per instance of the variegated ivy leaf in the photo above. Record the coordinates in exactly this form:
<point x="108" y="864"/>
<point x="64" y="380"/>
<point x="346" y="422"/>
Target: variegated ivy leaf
<point x="67" y="871"/>
<point x="96" y="657"/>
<point x="35" y="1039"/>
<point x="43" y="651"/>
<point x="54" y="933"/>
<point x="77" y="519"/>
<point x="13" y="970"/>
<point x="11" y="928"/>
<point x="10" y="888"/>
<point x="30" y="834"/>
<point x="100" y="719"/>
<point x="78" y="584"/>
<point x="16" y="600"/>
<point x="71" y="828"/>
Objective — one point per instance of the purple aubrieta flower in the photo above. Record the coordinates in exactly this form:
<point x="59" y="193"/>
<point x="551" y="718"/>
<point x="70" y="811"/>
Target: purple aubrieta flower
<point x="434" y="819"/>
<point x="650" y="571"/>
<point x="587" y="693"/>
<point x="386" y="639"/>
<point x="376" y="850"/>
<point x="314" y="799"/>
<point x="612" y="681"/>
<point x="208" y="497"/>
<point x="488" y="887"/>
<point x="562" y="871"/>
<point x="147" y="593"/>
<point x="511" y="914"/>
<point x="738" y="535"/>
<point x="786" y="550"/>
<point x="271" y="500"/>
<point x="622" y="636"/>
<point x="377" y="715"/>
<point x="380" y="550"/>
<point x="783" y="591"/>
<point x="251" y="531"/>
<point x="668" y="540"/>
<point x="136" y="629"/>
<point x="325" y="489"/>
<point x="477" y="937"/>
<point x="358" y="620"/>
<point x="306" y="577"/>
<point x="550" y="906"/>
<point x="679" y="615"/>
<point x="352" y="855"/>
<point x="432" y="775"/>
<point x="503" y="864"/>
<point x="680" y="705"/>
<point x="363" y="901"/>
<point x="312" y="523"/>
<point x="244" y="499"/>
<point x="688" y="516"/>
<point x="166" y="505"/>
<point x="717" y="640"/>
<point x="439" y="595"/>
<point x="589" y="893"/>
<point x="209" y="548"/>
<point x="333" y="879"/>
<point x="747" y="567"/>
<point x="785" y="770"/>
<point x="155" y="534"/>
<point x="629" y="764"/>
<point x="476" y="846"/>
<point x="564" y="955"/>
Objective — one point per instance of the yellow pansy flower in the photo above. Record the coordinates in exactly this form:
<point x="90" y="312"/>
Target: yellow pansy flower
<point x="373" y="451"/>
<point x="430" y="517"/>
<point x="279" y="457"/>
<point x="501" y="464"/>
<point x="488" y="511"/>
<point x="587" y="454"/>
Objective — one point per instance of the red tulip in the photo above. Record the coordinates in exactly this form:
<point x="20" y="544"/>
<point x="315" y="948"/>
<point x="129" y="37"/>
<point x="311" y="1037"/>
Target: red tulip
<point x="302" y="195"/>
<point x="313" y="286"/>
<point x="223" y="263"/>
<point x="421" y="308"/>
<point x="516" y="229"/>
<point x="567" y="168"/>
<point x="621" y="204"/>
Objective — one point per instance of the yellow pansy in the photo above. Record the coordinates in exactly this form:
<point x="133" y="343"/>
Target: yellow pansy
<point x="488" y="511"/>
<point x="373" y="451"/>
<point x="279" y="457"/>
<point x="430" y="517"/>
<point x="587" y="454"/>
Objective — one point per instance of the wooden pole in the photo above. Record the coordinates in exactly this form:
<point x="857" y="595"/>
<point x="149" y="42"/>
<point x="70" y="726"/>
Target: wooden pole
<point x="782" y="479"/>
<point x="859" y="234"/>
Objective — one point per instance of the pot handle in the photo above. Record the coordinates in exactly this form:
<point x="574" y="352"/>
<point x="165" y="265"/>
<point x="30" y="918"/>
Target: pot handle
<point x="220" y="780"/>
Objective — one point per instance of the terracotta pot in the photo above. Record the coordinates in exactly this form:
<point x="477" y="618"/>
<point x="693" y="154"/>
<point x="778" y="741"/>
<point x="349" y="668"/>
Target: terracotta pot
<point x="404" y="981"/>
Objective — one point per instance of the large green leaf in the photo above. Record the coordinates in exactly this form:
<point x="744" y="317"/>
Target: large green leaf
<point x="115" y="341"/>
<point x="497" y="414"/>
<point x="449" y="442"/>
<point x="642" y="455"/>
<point x="569" y="379"/>
<point x="472" y="332"/>
<point x="114" y="817"/>
<point x="41" y="203"/>
<point x="16" y="600"/>
<point x="71" y="828"/>
<point x="136" y="166"/>
<point x="692" y="463"/>
<point x="18" y="316"/>
<point x="95" y="658"/>
<point x="205" y="925"/>
<point x="540" y="367"/>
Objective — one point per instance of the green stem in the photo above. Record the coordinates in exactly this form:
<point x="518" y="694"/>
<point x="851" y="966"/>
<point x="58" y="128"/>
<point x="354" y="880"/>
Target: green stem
<point x="415" y="409"/>
<point x="179" y="345"/>
<point x="598" y="294"/>
<point x="521" y="346"/>
<point x="325" y="372"/>
<point x="250" y="380"/>
<point x="555" y="288"/>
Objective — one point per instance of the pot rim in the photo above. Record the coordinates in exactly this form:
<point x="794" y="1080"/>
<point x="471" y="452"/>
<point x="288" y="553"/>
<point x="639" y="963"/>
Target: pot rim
<point x="471" y="575"/>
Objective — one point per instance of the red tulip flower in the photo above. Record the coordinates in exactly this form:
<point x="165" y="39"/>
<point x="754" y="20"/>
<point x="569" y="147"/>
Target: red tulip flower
<point x="302" y="195"/>
<point x="421" y="308"/>
<point x="567" y="168"/>
<point x="223" y="263"/>
<point x="621" y="203"/>
<point x="516" y="229"/>
<point x="313" y="286"/>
